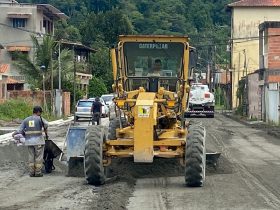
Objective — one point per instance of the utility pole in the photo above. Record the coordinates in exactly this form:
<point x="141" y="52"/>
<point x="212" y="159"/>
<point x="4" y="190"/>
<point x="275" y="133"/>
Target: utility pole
<point x="43" y="68"/>
<point x="214" y="62"/>
<point x="59" y="67"/>
<point x="59" y="92"/>
<point x="74" y="81"/>
<point x="210" y="67"/>
<point x="245" y="63"/>
<point x="52" y="93"/>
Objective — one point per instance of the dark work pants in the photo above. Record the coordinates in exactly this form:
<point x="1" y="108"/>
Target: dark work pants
<point x="96" y="118"/>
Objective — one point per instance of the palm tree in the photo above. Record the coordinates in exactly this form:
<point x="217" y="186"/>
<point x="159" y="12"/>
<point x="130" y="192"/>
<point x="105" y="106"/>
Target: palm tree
<point x="43" y="53"/>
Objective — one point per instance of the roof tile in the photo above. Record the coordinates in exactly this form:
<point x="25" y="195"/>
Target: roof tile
<point x="256" y="3"/>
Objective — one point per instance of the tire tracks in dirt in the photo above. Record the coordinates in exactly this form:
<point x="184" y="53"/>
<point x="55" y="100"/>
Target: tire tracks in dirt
<point x="253" y="181"/>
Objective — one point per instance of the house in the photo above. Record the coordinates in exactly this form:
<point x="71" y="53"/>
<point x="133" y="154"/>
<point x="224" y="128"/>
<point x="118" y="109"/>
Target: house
<point x="17" y="22"/>
<point x="246" y="16"/>
<point x="82" y="68"/>
<point x="270" y="68"/>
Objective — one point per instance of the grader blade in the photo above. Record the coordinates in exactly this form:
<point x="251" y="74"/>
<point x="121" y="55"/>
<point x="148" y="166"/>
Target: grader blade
<point x="75" y="150"/>
<point x="212" y="158"/>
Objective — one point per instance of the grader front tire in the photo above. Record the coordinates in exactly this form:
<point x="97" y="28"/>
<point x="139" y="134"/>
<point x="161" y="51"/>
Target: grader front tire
<point x="195" y="157"/>
<point x="93" y="160"/>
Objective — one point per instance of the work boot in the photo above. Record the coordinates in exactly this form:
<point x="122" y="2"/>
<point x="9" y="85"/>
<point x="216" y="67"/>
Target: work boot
<point x="31" y="169"/>
<point x="38" y="170"/>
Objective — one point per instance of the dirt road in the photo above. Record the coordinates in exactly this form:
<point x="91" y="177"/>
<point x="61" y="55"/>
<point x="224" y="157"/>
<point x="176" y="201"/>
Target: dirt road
<point x="246" y="178"/>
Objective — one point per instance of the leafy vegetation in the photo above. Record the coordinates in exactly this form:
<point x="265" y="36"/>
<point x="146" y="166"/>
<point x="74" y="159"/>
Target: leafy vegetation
<point x="19" y="109"/>
<point x="96" y="87"/>
<point x="15" y="109"/>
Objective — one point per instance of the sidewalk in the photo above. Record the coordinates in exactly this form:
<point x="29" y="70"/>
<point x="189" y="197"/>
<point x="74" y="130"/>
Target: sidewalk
<point x="5" y="138"/>
<point x="259" y="125"/>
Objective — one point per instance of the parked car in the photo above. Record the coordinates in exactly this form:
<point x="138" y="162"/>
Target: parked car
<point x="83" y="109"/>
<point x="108" y="99"/>
<point x="105" y="108"/>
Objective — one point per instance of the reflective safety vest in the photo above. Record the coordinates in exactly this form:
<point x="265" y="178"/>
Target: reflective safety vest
<point x="33" y="129"/>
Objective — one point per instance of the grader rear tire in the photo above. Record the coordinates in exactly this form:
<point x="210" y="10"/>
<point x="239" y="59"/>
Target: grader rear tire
<point x="93" y="160"/>
<point x="195" y="157"/>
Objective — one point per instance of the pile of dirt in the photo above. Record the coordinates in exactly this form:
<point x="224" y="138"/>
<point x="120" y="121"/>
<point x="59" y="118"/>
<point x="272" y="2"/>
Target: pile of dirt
<point x="12" y="153"/>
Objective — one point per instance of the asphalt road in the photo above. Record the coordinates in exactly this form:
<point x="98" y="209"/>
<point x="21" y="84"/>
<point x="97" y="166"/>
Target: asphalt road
<point x="247" y="177"/>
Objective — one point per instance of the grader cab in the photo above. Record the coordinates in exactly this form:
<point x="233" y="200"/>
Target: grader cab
<point x="151" y="90"/>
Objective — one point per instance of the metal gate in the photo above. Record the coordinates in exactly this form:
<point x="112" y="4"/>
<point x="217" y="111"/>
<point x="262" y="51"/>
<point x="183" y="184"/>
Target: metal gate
<point x="272" y="107"/>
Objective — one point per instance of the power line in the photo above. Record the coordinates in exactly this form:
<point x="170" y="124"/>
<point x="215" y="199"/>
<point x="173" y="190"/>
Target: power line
<point x="232" y="40"/>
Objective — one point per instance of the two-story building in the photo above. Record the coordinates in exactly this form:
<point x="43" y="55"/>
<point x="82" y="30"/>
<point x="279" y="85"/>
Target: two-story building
<point x="269" y="71"/>
<point x="17" y="22"/>
<point x="246" y="17"/>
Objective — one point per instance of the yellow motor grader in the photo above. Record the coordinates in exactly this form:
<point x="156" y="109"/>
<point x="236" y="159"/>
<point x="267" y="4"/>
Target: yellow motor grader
<point x="151" y="84"/>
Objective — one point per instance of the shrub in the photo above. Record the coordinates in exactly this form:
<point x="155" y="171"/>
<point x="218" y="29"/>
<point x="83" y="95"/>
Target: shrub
<point x="15" y="109"/>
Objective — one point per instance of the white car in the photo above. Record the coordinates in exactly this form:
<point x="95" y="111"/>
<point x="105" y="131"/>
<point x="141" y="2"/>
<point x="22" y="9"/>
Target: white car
<point x="201" y="101"/>
<point x="83" y="109"/>
<point x="108" y="99"/>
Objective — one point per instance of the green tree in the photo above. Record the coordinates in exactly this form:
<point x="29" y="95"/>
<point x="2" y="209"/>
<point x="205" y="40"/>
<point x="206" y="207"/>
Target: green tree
<point x="101" y="66"/>
<point x="105" y="26"/>
<point x="67" y="32"/>
<point x="97" y="87"/>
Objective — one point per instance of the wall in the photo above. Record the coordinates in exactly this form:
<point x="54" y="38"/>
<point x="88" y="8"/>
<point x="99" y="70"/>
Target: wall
<point x="254" y="97"/>
<point x="245" y="24"/>
<point x="10" y="36"/>
<point x="273" y="41"/>
<point x="33" y="97"/>
<point x="66" y="105"/>
<point x="37" y="98"/>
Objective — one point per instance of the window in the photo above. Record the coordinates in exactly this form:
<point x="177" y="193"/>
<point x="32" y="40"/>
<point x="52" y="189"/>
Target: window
<point x="153" y="59"/>
<point x="19" y="22"/>
<point x="15" y="54"/>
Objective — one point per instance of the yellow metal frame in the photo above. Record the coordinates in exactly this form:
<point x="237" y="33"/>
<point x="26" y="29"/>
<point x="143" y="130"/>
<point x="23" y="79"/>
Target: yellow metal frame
<point x="137" y="140"/>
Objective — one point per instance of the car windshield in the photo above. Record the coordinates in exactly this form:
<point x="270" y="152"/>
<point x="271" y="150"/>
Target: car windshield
<point x="85" y="104"/>
<point x="100" y="99"/>
<point x="107" y="98"/>
<point x="153" y="59"/>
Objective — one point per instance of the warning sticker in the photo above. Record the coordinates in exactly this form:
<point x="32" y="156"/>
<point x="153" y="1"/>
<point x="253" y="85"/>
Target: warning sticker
<point x="31" y="124"/>
<point x="144" y="111"/>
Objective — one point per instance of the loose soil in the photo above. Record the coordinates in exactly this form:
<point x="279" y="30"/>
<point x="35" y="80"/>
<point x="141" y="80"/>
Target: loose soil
<point x="59" y="191"/>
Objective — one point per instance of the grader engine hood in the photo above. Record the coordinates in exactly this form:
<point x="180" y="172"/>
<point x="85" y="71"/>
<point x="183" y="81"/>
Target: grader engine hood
<point x="145" y="113"/>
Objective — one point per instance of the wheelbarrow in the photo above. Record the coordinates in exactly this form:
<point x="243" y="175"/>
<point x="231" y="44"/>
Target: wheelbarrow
<point x="51" y="151"/>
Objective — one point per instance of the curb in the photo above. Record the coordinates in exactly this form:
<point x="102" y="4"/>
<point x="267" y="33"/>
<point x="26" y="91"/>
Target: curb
<point x="5" y="138"/>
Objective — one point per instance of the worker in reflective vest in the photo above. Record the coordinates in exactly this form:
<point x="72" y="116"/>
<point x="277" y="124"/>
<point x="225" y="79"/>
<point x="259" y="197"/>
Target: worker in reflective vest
<point x="32" y="127"/>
